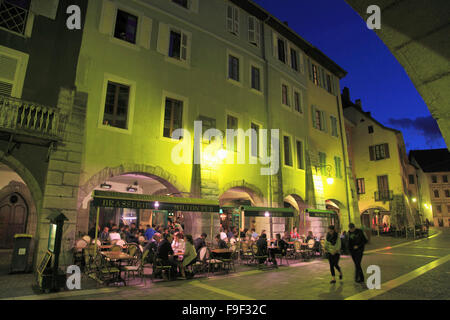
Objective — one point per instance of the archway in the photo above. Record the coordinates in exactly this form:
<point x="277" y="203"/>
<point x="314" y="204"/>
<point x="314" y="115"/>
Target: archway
<point x="374" y="218"/>
<point x="295" y="201"/>
<point x="336" y="206"/>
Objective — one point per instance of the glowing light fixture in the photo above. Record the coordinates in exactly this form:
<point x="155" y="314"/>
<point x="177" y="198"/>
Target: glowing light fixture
<point x="222" y="154"/>
<point x="267" y="214"/>
<point x="330" y="180"/>
<point x="156" y="205"/>
<point x="414" y="200"/>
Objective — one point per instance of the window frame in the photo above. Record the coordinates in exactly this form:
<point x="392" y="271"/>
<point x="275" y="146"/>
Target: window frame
<point x="185" y="110"/>
<point x="289" y="93"/>
<point x="259" y="143"/>
<point x="301" y="101"/>
<point x="238" y="144"/>
<point x="302" y="153"/>
<point x="138" y="22"/>
<point x="240" y="69"/>
<point x="261" y="84"/>
<point x="131" y="103"/>
<point x="291" y="166"/>
<point x="334" y="128"/>
<point x="256" y="31"/>
<point x="235" y="20"/>
<point x="358" y="185"/>
<point x="20" y="72"/>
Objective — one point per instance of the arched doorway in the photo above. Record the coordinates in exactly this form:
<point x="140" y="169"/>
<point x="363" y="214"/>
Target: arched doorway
<point x="13" y="218"/>
<point x="296" y="202"/>
<point x="335" y="220"/>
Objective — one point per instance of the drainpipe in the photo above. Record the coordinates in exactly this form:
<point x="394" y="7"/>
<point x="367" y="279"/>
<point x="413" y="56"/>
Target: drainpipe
<point x="344" y="152"/>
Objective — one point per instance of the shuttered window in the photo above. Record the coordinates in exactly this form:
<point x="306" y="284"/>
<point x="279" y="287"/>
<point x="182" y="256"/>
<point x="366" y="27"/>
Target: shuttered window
<point x="126" y="26"/>
<point x="254" y="31"/>
<point x="233" y="20"/>
<point x="8" y="67"/>
<point x="379" y="152"/>
<point x="323" y="163"/>
<point x="178" y="45"/>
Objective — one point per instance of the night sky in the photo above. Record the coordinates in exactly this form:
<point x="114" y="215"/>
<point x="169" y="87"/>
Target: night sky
<point x="374" y="75"/>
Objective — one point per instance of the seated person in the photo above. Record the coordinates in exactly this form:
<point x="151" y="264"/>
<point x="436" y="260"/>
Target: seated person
<point x="178" y="242"/>
<point x="152" y="246"/>
<point x="254" y="235"/>
<point x="262" y="247"/>
<point x="294" y="234"/>
<point x="200" y="242"/>
<point x="104" y="236"/>
<point x="287" y="236"/>
<point x="149" y="232"/>
<point x="310" y="236"/>
<point x="189" y="256"/>
<point x="221" y="243"/>
<point x="163" y="251"/>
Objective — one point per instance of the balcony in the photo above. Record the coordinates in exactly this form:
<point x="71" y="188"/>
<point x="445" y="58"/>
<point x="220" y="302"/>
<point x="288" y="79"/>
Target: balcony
<point x="384" y="195"/>
<point x="28" y="122"/>
<point x="13" y="17"/>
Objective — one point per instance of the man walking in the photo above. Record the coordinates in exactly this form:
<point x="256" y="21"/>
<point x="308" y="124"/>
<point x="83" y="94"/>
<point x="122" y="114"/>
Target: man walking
<point x="356" y="242"/>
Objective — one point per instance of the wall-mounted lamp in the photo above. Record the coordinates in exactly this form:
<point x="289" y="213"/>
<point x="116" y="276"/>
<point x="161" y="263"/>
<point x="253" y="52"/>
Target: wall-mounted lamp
<point x="267" y="214"/>
<point x="414" y="200"/>
<point x="104" y="185"/>
<point x="156" y="204"/>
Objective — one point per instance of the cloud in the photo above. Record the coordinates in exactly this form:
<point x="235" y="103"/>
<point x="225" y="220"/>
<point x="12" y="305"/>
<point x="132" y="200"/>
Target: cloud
<point x="427" y="126"/>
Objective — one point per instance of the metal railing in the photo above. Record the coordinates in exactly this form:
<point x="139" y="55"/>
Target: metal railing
<point x="13" y="17"/>
<point x="384" y="195"/>
<point x="18" y="116"/>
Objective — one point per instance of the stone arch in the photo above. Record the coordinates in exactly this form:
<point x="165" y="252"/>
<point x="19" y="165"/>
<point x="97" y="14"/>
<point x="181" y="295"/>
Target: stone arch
<point x="255" y="194"/>
<point x="296" y="201"/>
<point x="164" y="177"/>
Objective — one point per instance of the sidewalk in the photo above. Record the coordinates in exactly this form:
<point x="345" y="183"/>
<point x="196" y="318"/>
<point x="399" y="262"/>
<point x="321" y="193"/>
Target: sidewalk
<point x="19" y="285"/>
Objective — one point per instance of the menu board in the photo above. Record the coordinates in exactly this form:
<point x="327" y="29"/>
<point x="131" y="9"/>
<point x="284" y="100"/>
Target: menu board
<point x="44" y="262"/>
<point x="52" y="237"/>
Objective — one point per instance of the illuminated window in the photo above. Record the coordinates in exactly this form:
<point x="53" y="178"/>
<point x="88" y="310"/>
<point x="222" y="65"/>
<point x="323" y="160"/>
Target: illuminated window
<point x="315" y="74"/>
<point x="126" y="26"/>
<point x="116" y="105"/>
<point x="360" y="186"/>
<point x="173" y="116"/>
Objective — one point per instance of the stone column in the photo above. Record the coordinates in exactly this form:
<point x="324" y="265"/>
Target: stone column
<point x="63" y="175"/>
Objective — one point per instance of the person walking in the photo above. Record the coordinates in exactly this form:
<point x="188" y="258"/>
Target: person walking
<point x="356" y="242"/>
<point x="333" y="248"/>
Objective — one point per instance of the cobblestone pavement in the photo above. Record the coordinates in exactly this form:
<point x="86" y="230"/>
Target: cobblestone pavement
<point x="409" y="270"/>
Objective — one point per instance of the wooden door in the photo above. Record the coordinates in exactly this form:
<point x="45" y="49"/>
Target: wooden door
<point x="13" y="219"/>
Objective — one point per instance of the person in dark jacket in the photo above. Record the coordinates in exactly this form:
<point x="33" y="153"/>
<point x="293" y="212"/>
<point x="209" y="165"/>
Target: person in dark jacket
<point x="356" y="242"/>
<point x="200" y="242"/>
<point x="333" y="248"/>
<point x="222" y="244"/>
<point x="262" y="247"/>
<point x="163" y="251"/>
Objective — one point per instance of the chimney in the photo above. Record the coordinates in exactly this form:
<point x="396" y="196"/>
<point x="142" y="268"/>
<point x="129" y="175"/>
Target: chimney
<point x="358" y="103"/>
<point x="286" y="23"/>
<point x="346" y="94"/>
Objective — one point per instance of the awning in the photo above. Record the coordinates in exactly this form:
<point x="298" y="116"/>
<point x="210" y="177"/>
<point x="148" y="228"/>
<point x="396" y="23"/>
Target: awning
<point x="274" y="212"/>
<point x="111" y="199"/>
<point x="317" y="213"/>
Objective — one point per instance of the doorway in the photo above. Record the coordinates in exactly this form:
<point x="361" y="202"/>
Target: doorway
<point x="13" y="219"/>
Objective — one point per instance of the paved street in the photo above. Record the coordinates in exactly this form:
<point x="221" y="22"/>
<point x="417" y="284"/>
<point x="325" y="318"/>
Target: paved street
<point x="409" y="270"/>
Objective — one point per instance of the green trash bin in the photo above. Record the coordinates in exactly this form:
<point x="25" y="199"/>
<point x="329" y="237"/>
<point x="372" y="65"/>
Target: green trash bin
<point x="19" y="260"/>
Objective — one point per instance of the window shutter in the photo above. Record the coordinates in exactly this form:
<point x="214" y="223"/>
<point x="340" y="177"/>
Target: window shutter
<point x="8" y="69"/>
<point x="145" y="32"/>
<point x="193" y="5"/>
<point x="310" y="70"/>
<point x="325" y="121"/>
<point x="163" y="39"/>
<point x="184" y="46"/>
<point x="386" y="150"/>
<point x="302" y="63"/>
<point x="372" y="153"/>
<point x="257" y="32"/>
<point x="230" y="19"/>
<point x="275" y="44"/>
<point x="313" y="113"/>
<point x="236" y="20"/>
<point x="107" y="17"/>
<point x="251" y="30"/>
<point x="47" y="8"/>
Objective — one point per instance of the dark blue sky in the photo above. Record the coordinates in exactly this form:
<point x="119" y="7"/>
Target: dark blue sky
<point x="374" y="75"/>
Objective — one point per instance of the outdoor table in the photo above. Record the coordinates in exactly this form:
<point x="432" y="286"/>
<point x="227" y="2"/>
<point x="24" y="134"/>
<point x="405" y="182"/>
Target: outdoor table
<point x="117" y="256"/>
<point x="106" y="247"/>
<point x="224" y="253"/>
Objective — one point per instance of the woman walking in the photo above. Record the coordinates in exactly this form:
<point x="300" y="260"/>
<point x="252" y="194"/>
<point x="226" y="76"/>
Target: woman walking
<point x="333" y="249"/>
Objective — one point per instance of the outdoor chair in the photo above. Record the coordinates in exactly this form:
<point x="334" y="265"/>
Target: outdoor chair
<point x="116" y="248"/>
<point x="228" y="261"/>
<point x="200" y="264"/>
<point x="290" y="251"/>
<point x="257" y="258"/>
<point x="299" y="251"/>
<point x="214" y="263"/>
<point x="159" y="266"/>
<point x="246" y="253"/>
<point x="136" y="267"/>
<point x="281" y="256"/>
<point x="106" y="272"/>
<point x="310" y="248"/>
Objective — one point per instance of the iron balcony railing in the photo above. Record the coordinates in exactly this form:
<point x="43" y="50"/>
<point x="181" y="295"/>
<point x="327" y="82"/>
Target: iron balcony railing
<point x="384" y="195"/>
<point x="22" y="117"/>
<point x="13" y="17"/>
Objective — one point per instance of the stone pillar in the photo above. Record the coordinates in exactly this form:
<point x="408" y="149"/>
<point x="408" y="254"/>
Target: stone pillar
<point x="63" y="175"/>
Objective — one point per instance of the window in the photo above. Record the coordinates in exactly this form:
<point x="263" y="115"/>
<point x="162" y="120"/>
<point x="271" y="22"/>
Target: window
<point x="13" y="66"/>
<point x="281" y="50"/>
<point x="323" y="163"/>
<point x="439" y="208"/>
<point x="126" y="26"/>
<point x="233" y="68"/>
<point x="337" y="163"/>
<point x="370" y="128"/>
<point x="383" y="188"/>
<point x="318" y="118"/>
<point x="379" y="152"/>
<point x="436" y="193"/>
<point x="256" y="78"/>
<point x="254" y="31"/>
<point x="183" y="3"/>
<point x="447" y="193"/>
<point x="411" y="178"/>
<point x="173" y="116"/>
<point x="298" y="98"/>
<point x="285" y="95"/>
<point x="14" y="15"/>
<point x="444" y="179"/>
<point x="116" y="105"/>
<point x="328" y="84"/>
<point x="433" y="179"/>
<point x="299" y="155"/>
<point x="178" y="45"/>
<point x="255" y="139"/>
<point x="334" y="129"/>
<point x="360" y="186"/>
<point x="287" y="151"/>
<point x="232" y="124"/>
<point x="233" y="20"/>
<point x="207" y="123"/>
<point x="294" y="59"/>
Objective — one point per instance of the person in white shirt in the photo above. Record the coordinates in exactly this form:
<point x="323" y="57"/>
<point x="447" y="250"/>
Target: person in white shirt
<point x="114" y="235"/>
<point x="178" y="242"/>
<point x="223" y="235"/>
